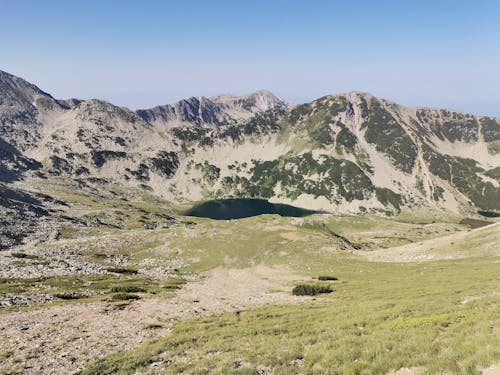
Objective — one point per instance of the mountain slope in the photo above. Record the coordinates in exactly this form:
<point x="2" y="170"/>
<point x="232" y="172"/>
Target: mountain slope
<point x="215" y="111"/>
<point x="350" y="153"/>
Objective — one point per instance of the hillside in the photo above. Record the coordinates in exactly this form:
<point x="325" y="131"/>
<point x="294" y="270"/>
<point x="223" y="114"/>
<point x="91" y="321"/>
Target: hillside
<point x="349" y="153"/>
<point x="103" y="271"/>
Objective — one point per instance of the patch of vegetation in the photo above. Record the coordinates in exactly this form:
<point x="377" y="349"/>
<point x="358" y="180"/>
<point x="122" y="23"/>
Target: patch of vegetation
<point x="211" y="173"/>
<point x="125" y="270"/>
<point x="101" y="157"/>
<point x="490" y="128"/>
<point x="315" y="118"/>
<point x="165" y="163"/>
<point x="493" y="173"/>
<point x="128" y="289"/>
<point x="437" y="193"/>
<point x="458" y="127"/>
<point x="327" y="278"/>
<point x="493" y="147"/>
<point x="267" y="122"/>
<point x="345" y="138"/>
<point x="59" y="165"/>
<point x="67" y="231"/>
<point x="153" y="326"/>
<point x="311" y="289"/>
<point x="299" y="112"/>
<point x="141" y="173"/>
<point x="463" y="175"/>
<point x="24" y="256"/>
<point x="329" y="177"/>
<point x="387" y="196"/>
<point x="384" y="131"/>
<point x="69" y="296"/>
<point x="449" y="125"/>
<point x="321" y="132"/>
<point x="125" y="297"/>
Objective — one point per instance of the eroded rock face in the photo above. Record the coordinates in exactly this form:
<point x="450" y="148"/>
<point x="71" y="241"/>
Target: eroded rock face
<point x="21" y="215"/>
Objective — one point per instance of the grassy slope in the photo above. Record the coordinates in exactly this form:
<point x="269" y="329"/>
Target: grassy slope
<point x="381" y="316"/>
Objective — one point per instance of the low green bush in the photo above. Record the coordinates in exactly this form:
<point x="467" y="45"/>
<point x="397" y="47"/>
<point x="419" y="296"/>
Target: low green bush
<point x="69" y="296"/>
<point x="128" y="289"/>
<point x="310" y="289"/>
<point x="327" y="278"/>
<point x="23" y="256"/>
<point x="131" y="271"/>
<point x="124" y="297"/>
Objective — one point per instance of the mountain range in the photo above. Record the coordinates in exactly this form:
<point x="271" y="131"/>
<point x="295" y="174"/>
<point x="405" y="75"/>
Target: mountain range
<point x="350" y="153"/>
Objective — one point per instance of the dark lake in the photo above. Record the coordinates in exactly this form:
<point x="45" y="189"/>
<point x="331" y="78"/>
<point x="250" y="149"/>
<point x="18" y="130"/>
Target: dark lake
<point x="238" y="208"/>
<point x="489" y="213"/>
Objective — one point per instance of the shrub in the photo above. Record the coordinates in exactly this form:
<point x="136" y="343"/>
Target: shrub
<point x="153" y="326"/>
<point x="310" y="289"/>
<point x="125" y="297"/>
<point x="327" y="278"/>
<point x="128" y="289"/>
<point x="23" y="256"/>
<point x="172" y="287"/>
<point x="122" y="270"/>
<point x="69" y="296"/>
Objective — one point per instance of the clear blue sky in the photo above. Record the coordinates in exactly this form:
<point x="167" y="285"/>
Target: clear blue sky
<point x="144" y="53"/>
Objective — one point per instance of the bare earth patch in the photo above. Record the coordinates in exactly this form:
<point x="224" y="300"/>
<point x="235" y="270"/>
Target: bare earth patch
<point x="408" y="371"/>
<point x="65" y="338"/>
<point x="294" y="236"/>
<point x="492" y="370"/>
<point x="476" y="298"/>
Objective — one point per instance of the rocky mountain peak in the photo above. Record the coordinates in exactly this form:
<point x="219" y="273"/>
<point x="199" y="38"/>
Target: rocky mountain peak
<point x="258" y="101"/>
<point x="17" y="93"/>
<point x="215" y="111"/>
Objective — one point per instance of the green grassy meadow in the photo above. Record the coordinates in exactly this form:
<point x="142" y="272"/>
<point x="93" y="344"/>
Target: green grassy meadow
<point x="381" y="316"/>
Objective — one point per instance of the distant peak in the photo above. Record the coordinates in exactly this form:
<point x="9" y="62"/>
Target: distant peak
<point x="261" y="100"/>
<point x="262" y="93"/>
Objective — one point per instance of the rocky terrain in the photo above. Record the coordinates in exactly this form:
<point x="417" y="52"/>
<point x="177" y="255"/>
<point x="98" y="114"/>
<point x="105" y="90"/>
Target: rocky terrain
<point x="344" y="153"/>
<point x="93" y="234"/>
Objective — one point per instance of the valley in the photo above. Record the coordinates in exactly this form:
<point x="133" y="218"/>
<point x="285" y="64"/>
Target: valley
<point x="171" y="239"/>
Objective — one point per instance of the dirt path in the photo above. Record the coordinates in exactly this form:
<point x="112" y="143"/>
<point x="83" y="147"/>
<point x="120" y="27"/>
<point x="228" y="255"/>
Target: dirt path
<point x="65" y="338"/>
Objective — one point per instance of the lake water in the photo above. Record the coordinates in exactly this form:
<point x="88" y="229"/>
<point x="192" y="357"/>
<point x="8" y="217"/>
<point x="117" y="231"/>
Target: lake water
<point x="238" y="208"/>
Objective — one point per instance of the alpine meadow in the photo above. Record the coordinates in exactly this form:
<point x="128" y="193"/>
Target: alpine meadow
<point x="322" y="230"/>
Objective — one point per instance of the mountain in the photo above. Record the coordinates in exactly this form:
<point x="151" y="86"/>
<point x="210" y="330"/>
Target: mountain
<point x="351" y="152"/>
<point x="215" y="111"/>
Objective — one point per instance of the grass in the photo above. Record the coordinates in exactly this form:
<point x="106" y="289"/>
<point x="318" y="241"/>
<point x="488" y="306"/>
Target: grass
<point x="74" y="289"/>
<point x="373" y="232"/>
<point x="383" y="317"/>
<point x="380" y="318"/>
